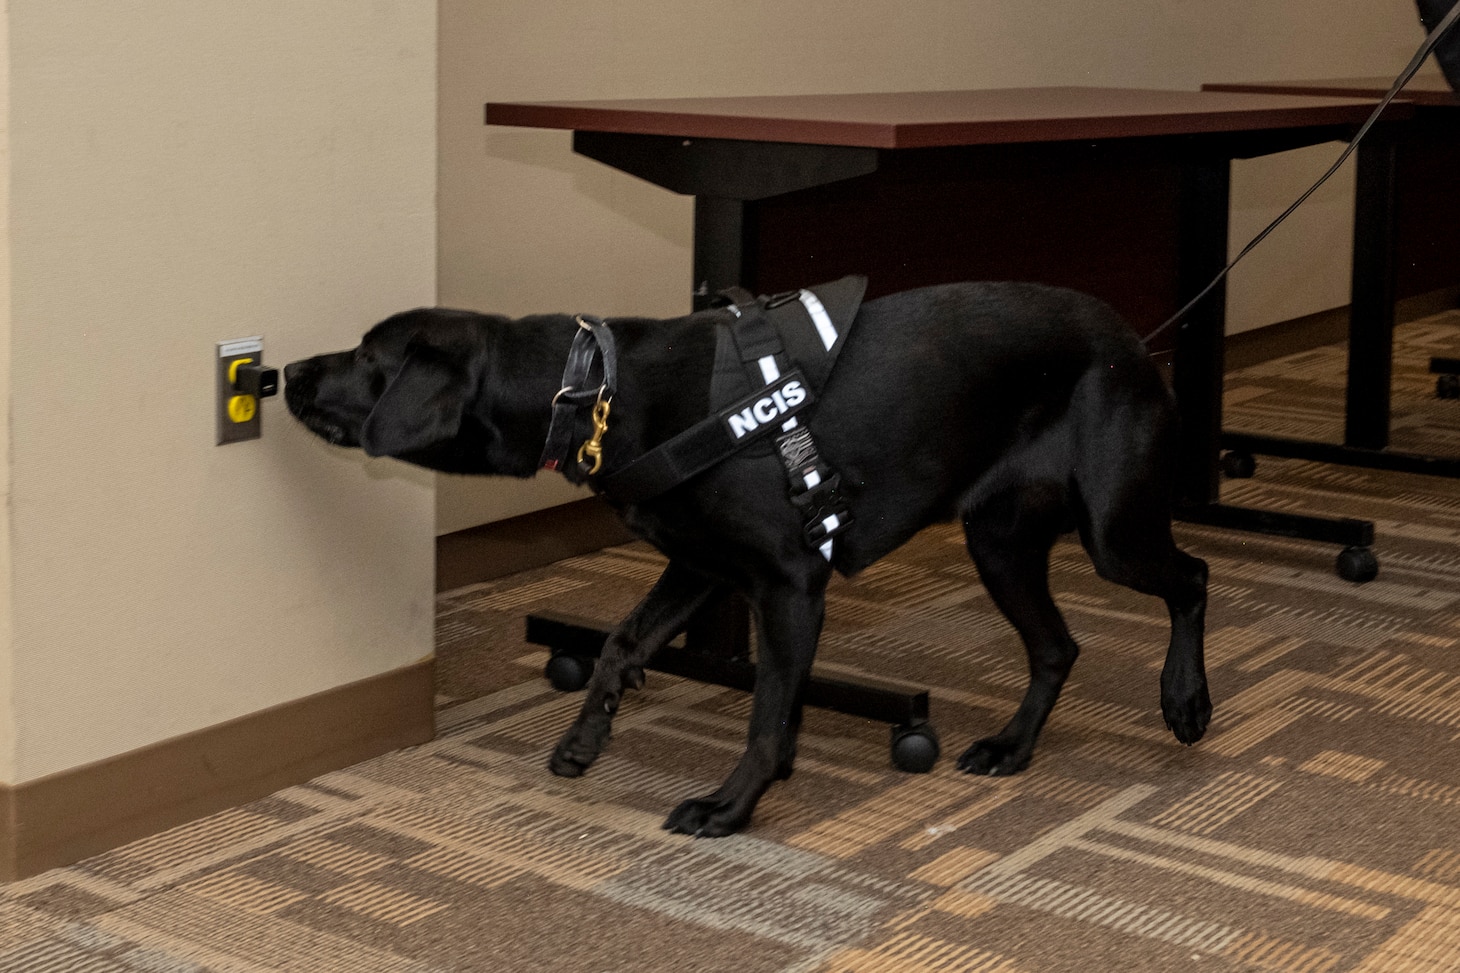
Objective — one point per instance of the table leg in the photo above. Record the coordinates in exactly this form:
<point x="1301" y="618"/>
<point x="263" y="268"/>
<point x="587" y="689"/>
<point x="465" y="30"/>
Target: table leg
<point x="724" y="231"/>
<point x="1197" y="381"/>
<point x="1199" y="355"/>
<point x="1374" y="292"/>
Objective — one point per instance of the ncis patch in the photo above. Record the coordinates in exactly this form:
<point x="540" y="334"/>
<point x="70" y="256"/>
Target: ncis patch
<point x="766" y="409"/>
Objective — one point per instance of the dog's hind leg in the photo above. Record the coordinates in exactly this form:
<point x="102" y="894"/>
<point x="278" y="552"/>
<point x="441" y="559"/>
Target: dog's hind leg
<point x="1129" y="541"/>
<point x="1123" y="488"/>
<point x="663" y="614"/>
<point x="1009" y="538"/>
<point x="788" y="621"/>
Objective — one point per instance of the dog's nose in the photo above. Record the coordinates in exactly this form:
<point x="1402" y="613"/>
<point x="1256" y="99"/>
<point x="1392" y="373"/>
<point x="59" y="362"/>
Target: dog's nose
<point x="295" y="370"/>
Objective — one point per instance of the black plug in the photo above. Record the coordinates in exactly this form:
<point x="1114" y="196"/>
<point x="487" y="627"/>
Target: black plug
<point x="259" y="381"/>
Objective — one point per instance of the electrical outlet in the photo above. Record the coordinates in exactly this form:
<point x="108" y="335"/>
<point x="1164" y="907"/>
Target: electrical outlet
<point x="238" y="412"/>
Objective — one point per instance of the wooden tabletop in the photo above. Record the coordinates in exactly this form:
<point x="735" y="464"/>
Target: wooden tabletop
<point x="1424" y="89"/>
<point x="942" y="118"/>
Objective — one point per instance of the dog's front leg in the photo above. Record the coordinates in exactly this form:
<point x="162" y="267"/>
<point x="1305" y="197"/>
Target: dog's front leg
<point x="789" y="622"/>
<point x="663" y="614"/>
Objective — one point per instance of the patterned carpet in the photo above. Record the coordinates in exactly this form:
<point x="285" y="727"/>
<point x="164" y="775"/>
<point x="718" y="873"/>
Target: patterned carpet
<point x="1314" y="829"/>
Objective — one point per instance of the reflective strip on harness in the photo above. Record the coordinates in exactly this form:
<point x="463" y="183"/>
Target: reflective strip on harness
<point x="819" y="317"/>
<point x="768" y="369"/>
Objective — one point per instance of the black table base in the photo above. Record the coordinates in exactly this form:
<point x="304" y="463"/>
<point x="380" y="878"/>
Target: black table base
<point x="720" y="658"/>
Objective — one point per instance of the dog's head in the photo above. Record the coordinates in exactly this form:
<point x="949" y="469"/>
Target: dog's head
<point x="409" y="390"/>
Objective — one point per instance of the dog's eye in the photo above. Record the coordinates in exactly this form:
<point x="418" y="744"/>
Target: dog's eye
<point x="377" y="384"/>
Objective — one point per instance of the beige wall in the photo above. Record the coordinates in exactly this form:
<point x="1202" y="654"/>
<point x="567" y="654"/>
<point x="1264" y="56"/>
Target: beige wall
<point x="184" y="172"/>
<point x="7" y="658"/>
<point x="528" y="226"/>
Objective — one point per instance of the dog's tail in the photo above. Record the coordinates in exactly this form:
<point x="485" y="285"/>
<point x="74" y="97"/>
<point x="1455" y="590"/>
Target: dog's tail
<point x="1413" y="66"/>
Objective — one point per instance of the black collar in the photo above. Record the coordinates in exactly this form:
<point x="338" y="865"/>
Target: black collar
<point x="592" y="354"/>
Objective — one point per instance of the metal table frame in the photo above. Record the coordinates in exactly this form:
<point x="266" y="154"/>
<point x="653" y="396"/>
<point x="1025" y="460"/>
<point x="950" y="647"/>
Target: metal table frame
<point x="1406" y="208"/>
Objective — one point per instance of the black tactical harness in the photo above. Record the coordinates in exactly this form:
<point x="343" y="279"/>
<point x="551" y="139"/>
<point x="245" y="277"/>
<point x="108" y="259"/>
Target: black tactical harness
<point x="770" y="362"/>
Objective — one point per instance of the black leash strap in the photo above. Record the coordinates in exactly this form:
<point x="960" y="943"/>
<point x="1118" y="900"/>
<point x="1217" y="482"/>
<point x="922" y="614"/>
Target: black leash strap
<point x="592" y="346"/>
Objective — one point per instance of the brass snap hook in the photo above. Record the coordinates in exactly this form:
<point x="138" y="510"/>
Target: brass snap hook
<point x="594" y="447"/>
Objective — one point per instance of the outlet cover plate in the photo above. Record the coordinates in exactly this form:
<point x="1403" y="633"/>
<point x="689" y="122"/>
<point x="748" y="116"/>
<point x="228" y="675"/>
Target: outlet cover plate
<point x="228" y="353"/>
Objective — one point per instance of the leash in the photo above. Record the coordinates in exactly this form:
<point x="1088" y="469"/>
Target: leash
<point x="1409" y="71"/>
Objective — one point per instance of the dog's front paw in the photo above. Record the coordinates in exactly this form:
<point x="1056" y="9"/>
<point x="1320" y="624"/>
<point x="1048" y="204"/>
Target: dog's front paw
<point x="1188" y="719"/>
<point x="994" y="757"/>
<point x="707" y="817"/>
<point x="578" y="748"/>
<point x="566" y="762"/>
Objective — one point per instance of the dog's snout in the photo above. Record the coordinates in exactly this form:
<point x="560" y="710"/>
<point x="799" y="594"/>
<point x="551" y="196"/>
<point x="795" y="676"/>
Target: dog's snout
<point x="297" y="370"/>
<point x="301" y="381"/>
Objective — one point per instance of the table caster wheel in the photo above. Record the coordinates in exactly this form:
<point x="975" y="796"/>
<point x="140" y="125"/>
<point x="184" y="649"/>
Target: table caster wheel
<point x="568" y="673"/>
<point x="1238" y="465"/>
<point x="1357" y="564"/>
<point x="914" y="747"/>
<point x="1447" y="387"/>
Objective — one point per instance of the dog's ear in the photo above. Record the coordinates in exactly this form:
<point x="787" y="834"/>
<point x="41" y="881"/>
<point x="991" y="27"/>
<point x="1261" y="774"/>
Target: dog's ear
<point x="422" y="406"/>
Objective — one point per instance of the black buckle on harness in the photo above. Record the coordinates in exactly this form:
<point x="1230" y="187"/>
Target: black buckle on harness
<point x="825" y="510"/>
<point x="827" y="523"/>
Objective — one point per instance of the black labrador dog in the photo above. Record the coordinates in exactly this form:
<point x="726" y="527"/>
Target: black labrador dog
<point x="1025" y="411"/>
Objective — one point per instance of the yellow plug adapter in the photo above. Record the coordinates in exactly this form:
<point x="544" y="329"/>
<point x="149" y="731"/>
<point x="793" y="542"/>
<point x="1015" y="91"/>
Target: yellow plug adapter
<point x="241" y="408"/>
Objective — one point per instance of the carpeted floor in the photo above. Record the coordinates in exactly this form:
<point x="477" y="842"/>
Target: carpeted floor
<point x="1314" y="829"/>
